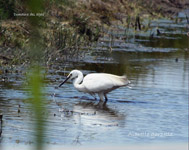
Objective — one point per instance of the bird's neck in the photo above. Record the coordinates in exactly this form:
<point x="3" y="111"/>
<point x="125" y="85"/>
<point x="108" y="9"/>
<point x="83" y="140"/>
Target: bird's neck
<point x="77" y="81"/>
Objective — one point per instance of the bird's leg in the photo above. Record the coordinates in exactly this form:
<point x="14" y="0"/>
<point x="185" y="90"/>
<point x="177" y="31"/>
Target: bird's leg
<point x="101" y="96"/>
<point x="106" y="99"/>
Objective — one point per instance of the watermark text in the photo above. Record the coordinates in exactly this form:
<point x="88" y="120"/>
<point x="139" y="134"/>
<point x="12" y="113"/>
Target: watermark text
<point x="29" y="14"/>
<point x="150" y="134"/>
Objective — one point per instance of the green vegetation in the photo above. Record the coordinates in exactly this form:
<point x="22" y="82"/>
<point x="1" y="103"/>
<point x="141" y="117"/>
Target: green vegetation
<point x="67" y="25"/>
<point x="7" y="9"/>
<point x="38" y="106"/>
<point x="35" y="76"/>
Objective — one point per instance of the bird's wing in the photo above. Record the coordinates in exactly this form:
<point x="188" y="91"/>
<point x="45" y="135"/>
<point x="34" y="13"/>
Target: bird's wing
<point x="102" y="82"/>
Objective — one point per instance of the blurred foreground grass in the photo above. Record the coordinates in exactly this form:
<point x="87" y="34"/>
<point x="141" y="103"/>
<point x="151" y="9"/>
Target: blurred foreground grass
<point x="36" y="99"/>
<point x="35" y="76"/>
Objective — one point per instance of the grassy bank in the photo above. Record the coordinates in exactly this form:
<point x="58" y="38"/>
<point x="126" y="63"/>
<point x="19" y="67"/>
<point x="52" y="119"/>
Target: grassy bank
<point x="68" y="25"/>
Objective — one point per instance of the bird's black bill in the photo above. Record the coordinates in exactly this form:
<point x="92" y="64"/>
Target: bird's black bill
<point x="64" y="81"/>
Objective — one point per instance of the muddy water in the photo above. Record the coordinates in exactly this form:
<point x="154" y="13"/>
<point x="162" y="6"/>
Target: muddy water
<point x="154" y="110"/>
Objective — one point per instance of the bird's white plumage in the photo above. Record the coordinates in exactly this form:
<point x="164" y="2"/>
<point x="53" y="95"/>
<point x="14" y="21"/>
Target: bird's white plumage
<point x="100" y="83"/>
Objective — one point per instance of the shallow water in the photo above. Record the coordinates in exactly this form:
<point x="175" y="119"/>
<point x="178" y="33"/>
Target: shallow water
<point x="154" y="110"/>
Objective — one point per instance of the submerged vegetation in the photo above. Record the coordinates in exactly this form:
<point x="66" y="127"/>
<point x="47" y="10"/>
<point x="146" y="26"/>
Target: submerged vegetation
<point x="70" y="25"/>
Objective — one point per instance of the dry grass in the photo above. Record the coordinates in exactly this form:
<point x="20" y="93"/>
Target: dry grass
<point x="83" y="19"/>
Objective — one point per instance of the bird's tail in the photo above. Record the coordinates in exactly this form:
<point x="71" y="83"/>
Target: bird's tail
<point x="125" y="80"/>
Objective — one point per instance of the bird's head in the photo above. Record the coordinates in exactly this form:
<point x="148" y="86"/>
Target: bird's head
<point x="72" y="75"/>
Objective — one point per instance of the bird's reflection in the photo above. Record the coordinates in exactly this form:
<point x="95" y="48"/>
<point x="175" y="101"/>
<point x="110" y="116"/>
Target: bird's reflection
<point x="98" y="114"/>
<point x="100" y="106"/>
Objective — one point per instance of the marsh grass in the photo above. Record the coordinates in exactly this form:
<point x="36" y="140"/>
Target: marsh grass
<point x="7" y="9"/>
<point x="69" y="26"/>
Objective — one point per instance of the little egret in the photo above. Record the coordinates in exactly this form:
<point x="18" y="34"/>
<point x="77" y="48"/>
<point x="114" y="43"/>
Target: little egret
<point x="96" y="83"/>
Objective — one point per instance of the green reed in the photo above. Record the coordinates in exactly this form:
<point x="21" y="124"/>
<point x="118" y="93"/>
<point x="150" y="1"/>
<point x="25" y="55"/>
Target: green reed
<point x="36" y="99"/>
<point x="35" y="75"/>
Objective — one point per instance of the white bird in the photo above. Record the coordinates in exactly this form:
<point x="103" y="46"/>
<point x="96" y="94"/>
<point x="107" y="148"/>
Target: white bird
<point x="96" y="83"/>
